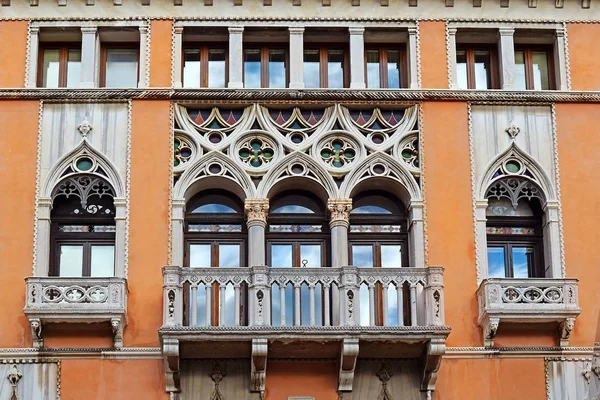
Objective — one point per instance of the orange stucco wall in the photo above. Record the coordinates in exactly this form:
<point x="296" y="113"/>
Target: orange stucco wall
<point x="13" y="53"/>
<point x="112" y="379"/>
<point x="149" y="219"/>
<point x="583" y="42"/>
<point x="451" y="241"/>
<point x="18" y="147"/>
<point x="578" y="144"/>
<point x="301" y="378"/>
<point x="434" y="70"/>
<point x="160" y="52"/>
<point x="491" y="379"/>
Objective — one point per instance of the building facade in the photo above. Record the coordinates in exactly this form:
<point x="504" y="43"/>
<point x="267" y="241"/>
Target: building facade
<point x="376" y="199"/>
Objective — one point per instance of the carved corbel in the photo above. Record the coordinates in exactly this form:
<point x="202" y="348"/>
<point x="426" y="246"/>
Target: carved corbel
<point x="117" y="330"/>
<point x="259" y="365"/>
<point x="36" y="332"/>
<point x="566" y="328"/>
<point x="171" y="355"/>
<point x="489" y="331"/>
<point x="433" y="359"/>
<point x="348" y="356"/>
<point x="256" y="211"/>
<point x="339" y="211"/>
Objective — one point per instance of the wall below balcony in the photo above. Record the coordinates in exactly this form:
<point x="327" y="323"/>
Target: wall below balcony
<point x="301" y="378"/>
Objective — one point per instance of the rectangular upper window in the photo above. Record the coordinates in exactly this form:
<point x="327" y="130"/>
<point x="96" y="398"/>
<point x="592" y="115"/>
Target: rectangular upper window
<point x="325" y="67"/>
<point x="59" y="66"/>
<point x="205" y="66"/>
<point x="265" y="67"/>
<point x="119" y="66"/>
<point x="476" y="67"/>
<point x="534" y="69"/>
<point x="385" y="67"/>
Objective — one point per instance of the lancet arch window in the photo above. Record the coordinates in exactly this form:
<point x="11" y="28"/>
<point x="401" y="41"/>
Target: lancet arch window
<point x="514" y="229"/>
<point x="83" y="228"/>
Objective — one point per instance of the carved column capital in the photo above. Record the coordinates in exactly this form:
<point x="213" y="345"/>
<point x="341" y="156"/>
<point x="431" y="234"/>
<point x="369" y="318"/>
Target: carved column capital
<point x="256" y="211"/>
<point x="339" y="211"/>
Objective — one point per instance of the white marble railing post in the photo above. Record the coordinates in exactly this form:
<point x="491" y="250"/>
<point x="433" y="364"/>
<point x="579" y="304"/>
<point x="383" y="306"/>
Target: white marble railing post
<point x="89" y="38"/>
<point x="32" y="68"/>
<point x="413" y="69"/>
<point x="296" y="57"/>
<point x="143" y="62"/>
<point x="357" y="57"/>
<point x="173" y="297"/>
<point x="256" y="213"/>
<point x="339" y="212"/>
<point x="236" y="34"/>
<point x="349" y="299"/>
<point x="452" y="58"/>
<point x="177" y="61"/>
<point x="434" y="297"/>
<point x="506" y="50"/>
<point x="259" y="297"/>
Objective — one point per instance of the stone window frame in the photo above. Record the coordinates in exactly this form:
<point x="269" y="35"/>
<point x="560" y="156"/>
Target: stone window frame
<point x="90" y="49"/>
<point x="506" y="47"/>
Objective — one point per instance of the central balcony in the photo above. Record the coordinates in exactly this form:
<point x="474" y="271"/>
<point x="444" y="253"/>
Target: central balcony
<point x="343" y="313"/>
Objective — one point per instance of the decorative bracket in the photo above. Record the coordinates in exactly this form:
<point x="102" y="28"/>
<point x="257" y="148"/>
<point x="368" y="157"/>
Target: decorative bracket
<point x="171" y="354"/>
<point x="348" y="356"/>
<point x="259" y="365"/>
<point x="489" y="331"/>
<point x="36" y="333"/>
<point x="566" y="327"/>
<point x="433" y="359"/>
<point x="117" y="329"/>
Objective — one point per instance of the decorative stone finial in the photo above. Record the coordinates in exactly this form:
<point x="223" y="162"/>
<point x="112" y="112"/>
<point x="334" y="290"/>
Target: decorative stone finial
<point x="256" y="210"/>
<point x="84" y="127"/>
<point x="513" y="130"/>
<point x="339" y="210"/>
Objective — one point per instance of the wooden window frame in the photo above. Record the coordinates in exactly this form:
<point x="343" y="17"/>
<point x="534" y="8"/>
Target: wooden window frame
<point x="528" y="51"/>
<point x="63" y="61"/>
<point x="323" y="63"/>
<point x="383" y="61"/>
<point x="469" y="50"/>
<point x="264" y="62"/>
<point x="112" y="46"/>
<point x="204" y="48"/>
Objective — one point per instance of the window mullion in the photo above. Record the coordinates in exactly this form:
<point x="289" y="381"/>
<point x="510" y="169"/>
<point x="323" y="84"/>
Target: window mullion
<point x="87" y="259"/>
<point x="62" y="66"/>
<point x="383" y="81"/>
<point x="203" y="66"/>
<point x="323" y="57"/>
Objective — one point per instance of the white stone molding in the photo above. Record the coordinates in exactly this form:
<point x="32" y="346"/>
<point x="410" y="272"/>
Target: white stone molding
<point x="357" y="57"/>
<point x="348" y="357"/>
<point x="433" y="360"/>
<point x="177" y="51"/>
<point x="451" y="53"/>
<point x="236" y="64"/>
<point x="89" y="59"/>
<point x="258" y="366"/>
<point x="416" y="233"/>
<point x="506" y="53"/>
<point x="339" y="221"/>
<point x="558" y="194"/>
<point x="144" y="62"/>
<point x="413" y="58"/>
<point x="256" y="212"/>
<point x="560" y="59"/>
<point x="32" y="56"/>
<point x="296" y="55"/>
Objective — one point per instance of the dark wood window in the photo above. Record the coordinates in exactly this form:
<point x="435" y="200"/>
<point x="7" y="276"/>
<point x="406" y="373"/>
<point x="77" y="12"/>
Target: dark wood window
<point x="534" y="68"/>
<point x="385" y="67"/>
<point x="477" y="67"/>
<point x="205" y="65"/>
<point x="265" y="67"/>
<point x="326" y="67"/>
<point x="82" y="234"/>
<point x="119" y="65"/>
<point x="59" y="65"/>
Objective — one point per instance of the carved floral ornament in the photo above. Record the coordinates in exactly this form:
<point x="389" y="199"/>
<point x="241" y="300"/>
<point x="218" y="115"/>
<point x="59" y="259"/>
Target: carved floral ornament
<point x="339" y="210"/>
<point x="256" y="210"/>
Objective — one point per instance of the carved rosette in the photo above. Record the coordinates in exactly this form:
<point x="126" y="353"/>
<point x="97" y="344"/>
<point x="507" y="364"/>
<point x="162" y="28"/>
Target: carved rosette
<point x="339" y="211"/>
<point x="256" y="211"/>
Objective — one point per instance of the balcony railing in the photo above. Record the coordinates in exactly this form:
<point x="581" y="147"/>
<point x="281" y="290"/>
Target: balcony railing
<point x="71" y="299"/>
<point x="531" y="300"/>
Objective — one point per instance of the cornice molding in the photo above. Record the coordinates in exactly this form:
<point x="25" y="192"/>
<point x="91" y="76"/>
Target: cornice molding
<point x="517" y="352"/>
<point x="52" y="354"/>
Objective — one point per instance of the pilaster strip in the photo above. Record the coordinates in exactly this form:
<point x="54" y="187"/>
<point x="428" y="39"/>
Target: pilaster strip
<point x="37" y="186"/>
<point x="474" y="193"/>
<point x="171" y="178"/>
<point x="567" y="56"/>
<point x="558" y="193"/>
<point x="127" y="190"/>
<point x="418" y="55"/>
<point x="423" y="183"/>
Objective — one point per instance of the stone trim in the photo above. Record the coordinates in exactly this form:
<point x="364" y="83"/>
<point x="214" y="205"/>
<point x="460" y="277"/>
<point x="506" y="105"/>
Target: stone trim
<point x="28" y="354"/>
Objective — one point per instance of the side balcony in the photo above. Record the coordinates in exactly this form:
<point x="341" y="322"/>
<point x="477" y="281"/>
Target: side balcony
<point x="343" y="313"/>
<point x="76" y="300"/>
<point x="529" y="301"/>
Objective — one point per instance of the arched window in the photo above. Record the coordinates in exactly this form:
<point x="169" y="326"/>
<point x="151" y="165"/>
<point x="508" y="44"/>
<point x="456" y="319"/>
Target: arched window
<point x="83" y="228"/>
<point x="378" y="231"/>
<point x="298" y="231"/>
<point x="514" y="230"/>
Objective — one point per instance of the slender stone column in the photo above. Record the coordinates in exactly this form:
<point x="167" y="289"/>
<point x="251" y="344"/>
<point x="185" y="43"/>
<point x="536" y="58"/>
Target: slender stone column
<point x="413" y="73"/>
<point x="339" y="222"/>
<point x="120" y="236"/>
<point x="236" y="34"/>
<point x="42" y="250"/>
<point x="143" y="82"/>
<point x="560" y="60"/>
<point x="452" y="58"/>
<point x="34" y="44"/>
<point x="177" y="79"/>
<point x="256" y="212"/>
<point x="357" y="58"/>
<point x="296" y="58"/>
<point x="89" y="37"/>
<point x="506" y="49"/>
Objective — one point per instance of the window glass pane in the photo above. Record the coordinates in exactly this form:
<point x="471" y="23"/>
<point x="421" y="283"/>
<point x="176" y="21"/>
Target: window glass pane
<point x="305" y="306"/>
<point x="496" y="262"/>
<point x="216" y="68"/>
<point x="229" y="255"/>
<point x="370" y="210"/>
<point x="310" y="255"/>
<point x="483" y="75"/>
<point x="121" y="68"/>
<point x="391" y="255"/>
<point x="373" y="75"/>
<point x="103" y="261"/>
<point x="522" y="258"/>
<point x="252" y="68"/>
<point x="364" y="310"/>
<point x="200" y="255"/>
<point x="276" y="305"/>
<point x="541" y="78"/>
<point x="50" y="69"/>
<point x="520" y="70"/>
<point x="74" y="68"/>
<point x="293" y="209"/>
<point x="214" y="208"/>
<point x="335" y="68"/>
<point x="277" y="74"/>
<point x="71" y="260"/>
<point x="200" y="305"/>
<point x="312" y="77"/>
<point x="362" y="255"/>
<point x="229" y="306"/>
<point x="393" y="69"/>
<point x="191" y="68"/>
<point x="461" y="69"/>
<point x="281" y="255"/>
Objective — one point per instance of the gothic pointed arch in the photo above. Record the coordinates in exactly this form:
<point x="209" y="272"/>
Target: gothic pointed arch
<point x="516" y="164"/>
<point x="83" y="159"/>
<point x="297" y="166"/>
